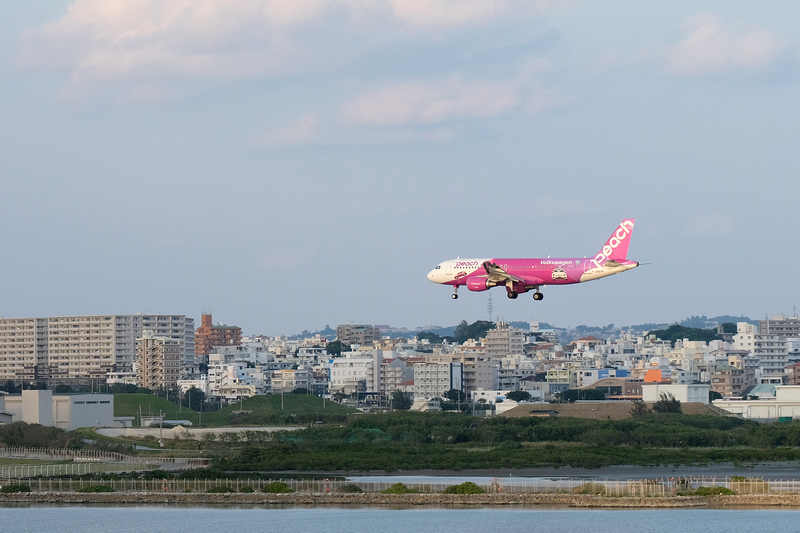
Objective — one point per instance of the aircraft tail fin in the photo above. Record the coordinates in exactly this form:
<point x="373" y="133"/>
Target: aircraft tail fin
<point x="616" y="247"/>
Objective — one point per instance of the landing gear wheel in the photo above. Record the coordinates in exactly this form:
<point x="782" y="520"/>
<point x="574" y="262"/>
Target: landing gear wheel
<point x="512" y="295"/>
<point x="454" y="296"/>
<point x="538" y="296"/>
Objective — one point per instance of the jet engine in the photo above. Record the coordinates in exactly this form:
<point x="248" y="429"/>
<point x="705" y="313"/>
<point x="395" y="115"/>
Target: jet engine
<point x="479" y="283"/>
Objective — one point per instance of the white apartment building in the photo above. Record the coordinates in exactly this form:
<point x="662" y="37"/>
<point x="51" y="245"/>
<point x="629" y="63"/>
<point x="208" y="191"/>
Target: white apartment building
<point x="772" y="351"/>
<point x="74" y="348"/>
<point x="291" y="379"/>
<point x="504" y="340"/>
<point x="254" y="352"/>
<point x="745" y="337"/>
<point x="780" y="325"/>
<point x="433" y="379"/>
<point x="356" y="372"/>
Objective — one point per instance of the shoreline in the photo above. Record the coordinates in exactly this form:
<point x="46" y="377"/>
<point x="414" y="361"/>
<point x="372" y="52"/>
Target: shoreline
<point x="587" y="501"/>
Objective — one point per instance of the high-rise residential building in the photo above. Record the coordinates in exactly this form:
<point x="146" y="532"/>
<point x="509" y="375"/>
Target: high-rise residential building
<point x="159" y="361"/>
<point x="432" y="379"/>
<point x="780" y="325"/>
<point x="356" y="372"/>
<point x="361" y="334"/>
<point x="78" y="348"/>
<point x="208" y="336"/>
<point x="504" y="340"/>
<point x="745" y="336"/>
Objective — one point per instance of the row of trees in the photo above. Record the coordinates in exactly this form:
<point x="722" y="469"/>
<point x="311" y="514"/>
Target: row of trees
<point x="454" y="440"/>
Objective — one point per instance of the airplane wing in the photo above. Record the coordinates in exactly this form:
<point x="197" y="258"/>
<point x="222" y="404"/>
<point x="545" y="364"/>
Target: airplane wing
<point x="501" y="277"/>
<point x="498" y="275"/>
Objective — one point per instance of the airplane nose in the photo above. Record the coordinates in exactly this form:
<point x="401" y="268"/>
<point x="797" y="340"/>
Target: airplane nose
<point x="431" y="275"/>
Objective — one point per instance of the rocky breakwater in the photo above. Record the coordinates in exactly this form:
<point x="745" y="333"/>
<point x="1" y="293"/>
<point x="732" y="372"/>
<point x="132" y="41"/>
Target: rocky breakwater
<point x="758" y="500"/>
<point x="315" y="499"/>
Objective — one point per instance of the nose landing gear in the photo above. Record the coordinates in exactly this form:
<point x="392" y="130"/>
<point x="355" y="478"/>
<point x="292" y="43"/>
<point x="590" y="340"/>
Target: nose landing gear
<point x="454" y="296"/>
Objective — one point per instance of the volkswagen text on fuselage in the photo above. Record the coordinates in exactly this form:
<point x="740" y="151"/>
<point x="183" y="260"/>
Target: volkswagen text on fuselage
<point x="523" y="275"/>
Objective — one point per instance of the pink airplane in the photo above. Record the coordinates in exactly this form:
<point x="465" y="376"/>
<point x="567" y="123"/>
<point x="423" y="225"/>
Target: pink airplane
<point x="522" y="275"/>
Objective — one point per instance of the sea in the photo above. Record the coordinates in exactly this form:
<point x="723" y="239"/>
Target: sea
<point x="157" y="519"/>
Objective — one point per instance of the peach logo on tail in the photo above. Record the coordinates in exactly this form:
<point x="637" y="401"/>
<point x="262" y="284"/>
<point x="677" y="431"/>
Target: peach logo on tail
<point x="617" y="238"/>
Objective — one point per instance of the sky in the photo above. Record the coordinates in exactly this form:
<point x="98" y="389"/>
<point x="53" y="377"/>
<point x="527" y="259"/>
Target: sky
<point x="287" y="165"/>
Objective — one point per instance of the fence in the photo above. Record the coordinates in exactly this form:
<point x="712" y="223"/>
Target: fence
<point x="614" y="487"/>
<point x="87" y="462"/>
<point x="60" y="454"/>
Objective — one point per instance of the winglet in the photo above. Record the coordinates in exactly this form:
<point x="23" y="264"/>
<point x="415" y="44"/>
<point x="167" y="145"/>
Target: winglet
<point x="616" y="247"/>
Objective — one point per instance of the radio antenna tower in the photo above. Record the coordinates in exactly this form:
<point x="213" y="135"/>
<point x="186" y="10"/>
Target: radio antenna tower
<point x="490" y="307"/>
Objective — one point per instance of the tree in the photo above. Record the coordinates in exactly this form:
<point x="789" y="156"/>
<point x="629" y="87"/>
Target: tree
<point x="62" y="389"/>
<point x="195" y="398"/>
<point x="519" y="395"/>
<point x="455" y="395"/>
<point x="571" y="395"/>
<point x="677" y="332"/>
<point x="122" y="388"/>
<point x="667" y="404"/>
<point x="714" y="395"/>
<point x="336" y="348"/>
<point x="402" y="400"/>
<point x="431" y="337"/>
<point x="476" y="330"/>
<point x="11" y="387"/>
<point x="639" y="408"/>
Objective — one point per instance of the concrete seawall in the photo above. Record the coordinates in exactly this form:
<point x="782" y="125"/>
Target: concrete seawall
<point x="439" y="500"/>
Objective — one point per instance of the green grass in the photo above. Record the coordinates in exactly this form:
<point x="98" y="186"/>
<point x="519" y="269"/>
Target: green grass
<point x="130" y="404"/>
<point x="266" y="410"/>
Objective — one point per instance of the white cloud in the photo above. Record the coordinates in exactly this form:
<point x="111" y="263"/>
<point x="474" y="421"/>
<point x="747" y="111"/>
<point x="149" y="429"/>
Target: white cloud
<point x="300" y="131"/>
<point x="464" y="12"/>
<point x="430" y="102"/>
<point x="709" y="225"/>
<point x="428" y="111"/>
<point x="711" y="47"/>
<point x="151" y="41"/>
<point x="448" y="99"/>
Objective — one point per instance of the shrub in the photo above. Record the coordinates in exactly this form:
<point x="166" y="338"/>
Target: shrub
<point x="97" y="488"/>
<point x="277" y="487"/>
<point x="590" y="488"/>
<point x="158" y="474"/>
<point x="467" y="487"/>
<point x="713" y="491"/>
<point x="351" y="488"/>
<point x="247" y="488"/>
<point x="221" y="489"/>
<point x="399" y="488"/>
<point x="15" y="487"/>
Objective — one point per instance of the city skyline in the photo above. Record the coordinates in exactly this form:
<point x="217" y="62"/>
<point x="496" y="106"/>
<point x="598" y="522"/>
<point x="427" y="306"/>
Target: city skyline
<point x="288" y="165"/>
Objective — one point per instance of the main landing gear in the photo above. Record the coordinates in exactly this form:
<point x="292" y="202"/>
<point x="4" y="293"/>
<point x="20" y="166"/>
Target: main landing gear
<point x="512" y="295"/>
